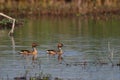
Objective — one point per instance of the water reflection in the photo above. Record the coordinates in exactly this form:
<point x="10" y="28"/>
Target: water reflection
<point x="13" y="43"/>
<point x="86" y="48"/>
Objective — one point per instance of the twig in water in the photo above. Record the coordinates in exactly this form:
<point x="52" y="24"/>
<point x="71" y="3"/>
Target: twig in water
<point x="111" y="54"/>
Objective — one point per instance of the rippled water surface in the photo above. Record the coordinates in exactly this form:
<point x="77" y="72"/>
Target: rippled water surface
<point x="91" y="49"/>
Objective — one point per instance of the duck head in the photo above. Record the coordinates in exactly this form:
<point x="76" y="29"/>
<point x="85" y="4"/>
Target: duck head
<point x="60" y="45"/>
<point x="34" y="45"/>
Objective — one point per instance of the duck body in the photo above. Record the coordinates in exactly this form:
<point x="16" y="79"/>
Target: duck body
<point x="25" y="52"/>
<point x="28" y="52"/>
<point x="34" y="52"/>
<point x="51" y="52"/>
<point x="54" y="52"/>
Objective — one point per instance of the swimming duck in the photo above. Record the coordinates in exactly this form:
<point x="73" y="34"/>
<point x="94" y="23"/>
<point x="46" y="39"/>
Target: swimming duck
<point x="54" y="52"/>
<point x="33" y="52"/>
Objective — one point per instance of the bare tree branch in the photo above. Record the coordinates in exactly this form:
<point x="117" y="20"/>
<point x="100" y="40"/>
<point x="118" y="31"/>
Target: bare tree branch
<point x="13" y="24"/>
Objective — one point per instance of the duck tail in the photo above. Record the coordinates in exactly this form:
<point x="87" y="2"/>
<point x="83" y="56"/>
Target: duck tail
<point x="20" y="52"/>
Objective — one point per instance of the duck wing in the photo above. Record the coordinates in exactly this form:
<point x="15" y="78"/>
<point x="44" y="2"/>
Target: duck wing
<point x="25" y="52"/>
<point x="51" y="52"/>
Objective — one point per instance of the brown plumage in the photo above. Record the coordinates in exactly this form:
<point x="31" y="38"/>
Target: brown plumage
<point x="51" y="52"/>
<point x="60" y="45"/>
<point x="54" y="52"/>
<point x="28" y="52"/>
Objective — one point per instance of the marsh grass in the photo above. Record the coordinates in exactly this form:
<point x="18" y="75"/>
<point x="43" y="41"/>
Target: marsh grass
<point x="30" y="74"/>
<point x="60" y="7"/>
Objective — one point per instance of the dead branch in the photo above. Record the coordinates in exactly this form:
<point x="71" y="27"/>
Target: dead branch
<point x="13" y="24"/>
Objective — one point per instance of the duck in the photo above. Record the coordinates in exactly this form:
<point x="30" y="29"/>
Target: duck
<point x="34" y="52"/>
<point x="60" y="52"/>
<point x="55" y="52"/>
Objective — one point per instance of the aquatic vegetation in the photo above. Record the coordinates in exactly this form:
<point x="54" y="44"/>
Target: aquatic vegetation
<point x="60" y="7"/>
<point x="5" y="23"/>
<point x="40" y="77"/>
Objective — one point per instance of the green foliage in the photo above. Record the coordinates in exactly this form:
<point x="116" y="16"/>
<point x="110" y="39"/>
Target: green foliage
<point x="5" y="21"/>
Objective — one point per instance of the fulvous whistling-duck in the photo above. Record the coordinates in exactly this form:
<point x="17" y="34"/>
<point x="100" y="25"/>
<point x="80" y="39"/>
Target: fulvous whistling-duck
<point x="60" y="52"/>
<point x="33" y="52"/>
<point x="54" y="52"/>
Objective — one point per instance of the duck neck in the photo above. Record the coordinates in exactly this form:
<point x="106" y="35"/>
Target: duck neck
<point x="60" y="50"/>
<point x="34" y="49"/>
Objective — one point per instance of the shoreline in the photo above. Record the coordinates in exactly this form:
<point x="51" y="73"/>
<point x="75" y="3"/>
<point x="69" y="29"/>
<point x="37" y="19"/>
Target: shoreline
<point x="57" y="13"/>
<point x="60" y="8"/>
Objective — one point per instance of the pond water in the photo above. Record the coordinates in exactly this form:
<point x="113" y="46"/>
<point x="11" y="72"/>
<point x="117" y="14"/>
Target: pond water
<point x="91" y="49"/>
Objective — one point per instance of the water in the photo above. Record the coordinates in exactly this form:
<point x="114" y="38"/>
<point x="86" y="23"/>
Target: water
<point x="86" y="41"/>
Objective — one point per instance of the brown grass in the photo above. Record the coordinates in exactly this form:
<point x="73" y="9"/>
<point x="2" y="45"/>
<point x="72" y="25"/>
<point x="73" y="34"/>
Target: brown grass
<point x="60" y="7"/>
